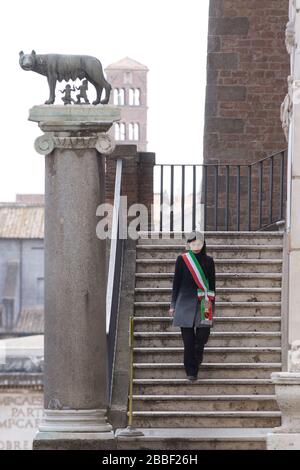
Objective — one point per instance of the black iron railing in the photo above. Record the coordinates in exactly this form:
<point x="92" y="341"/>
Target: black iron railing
<point x="220" y="196"/>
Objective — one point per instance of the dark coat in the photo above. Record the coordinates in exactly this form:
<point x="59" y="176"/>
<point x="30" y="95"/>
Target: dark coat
<point x="184" y="292"/>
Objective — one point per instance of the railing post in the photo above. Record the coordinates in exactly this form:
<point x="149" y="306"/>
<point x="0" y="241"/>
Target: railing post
<point x="271" y="190"/>
<point x="172" y="199"/>
<point x="249" y="196"/>
<point x="260" y="193"/>
<point x="182" y="196"/>
<point x="216" y="195"/>
<point x="205" y="197"/>
<point x="161" y="198"/>
<point x="227" y="197"/>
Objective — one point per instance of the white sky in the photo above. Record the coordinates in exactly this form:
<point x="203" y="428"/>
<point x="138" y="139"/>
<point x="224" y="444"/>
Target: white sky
<point x="169" y="36"/>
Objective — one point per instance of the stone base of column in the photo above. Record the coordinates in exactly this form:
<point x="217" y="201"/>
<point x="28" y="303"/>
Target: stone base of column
<point x="287" y="390"/>
<point x="283" y="441"/>
<point x="75" y="421"/>
<point x="74" y="441"/>
<point x="74" y="429"/>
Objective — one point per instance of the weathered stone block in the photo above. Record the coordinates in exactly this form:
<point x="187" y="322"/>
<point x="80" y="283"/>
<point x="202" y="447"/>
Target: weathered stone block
<point x="225" y="93"/>
<point x="229" y="26"/>
<point x="216" y="8"/>
<point x="222" y="60"/>
<point x="225" y="125"/>
<point x="213" y="44"/>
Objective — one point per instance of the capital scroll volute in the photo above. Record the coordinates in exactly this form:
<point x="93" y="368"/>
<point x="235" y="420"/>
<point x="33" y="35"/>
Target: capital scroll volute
<point x="44" y="144"/>
<point x="105" y="144"/>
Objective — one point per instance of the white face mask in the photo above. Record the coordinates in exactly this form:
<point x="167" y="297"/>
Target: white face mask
<point x="196" y="245"/>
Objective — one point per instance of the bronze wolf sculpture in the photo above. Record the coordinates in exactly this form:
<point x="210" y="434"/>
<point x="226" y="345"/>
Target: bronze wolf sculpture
<point x="67" y="67"/>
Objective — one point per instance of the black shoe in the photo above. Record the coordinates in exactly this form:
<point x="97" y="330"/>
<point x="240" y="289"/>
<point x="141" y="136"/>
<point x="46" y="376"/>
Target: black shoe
<point x="192" y="377"/>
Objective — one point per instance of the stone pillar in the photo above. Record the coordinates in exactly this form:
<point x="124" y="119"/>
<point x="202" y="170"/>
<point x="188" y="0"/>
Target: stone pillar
<point x="75" y="369"/>
<point x="287" y="384"/>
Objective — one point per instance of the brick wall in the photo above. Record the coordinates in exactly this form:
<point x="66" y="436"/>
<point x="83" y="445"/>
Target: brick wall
<point x="137" y="176"/>
<point x="247" y="69"/>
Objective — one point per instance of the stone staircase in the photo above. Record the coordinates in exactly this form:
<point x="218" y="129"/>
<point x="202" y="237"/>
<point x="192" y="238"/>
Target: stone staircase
<point x="233" y="400"/>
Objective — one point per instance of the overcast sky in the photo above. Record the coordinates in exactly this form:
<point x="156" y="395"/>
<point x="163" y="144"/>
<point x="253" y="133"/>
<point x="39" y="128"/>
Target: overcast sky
<point x="169" y="36"/>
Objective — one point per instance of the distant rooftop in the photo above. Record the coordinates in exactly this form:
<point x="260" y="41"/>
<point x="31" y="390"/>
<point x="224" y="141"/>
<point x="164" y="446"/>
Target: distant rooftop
<point x="127" y="64"/>
<point x="19" y="220"/>
<point x="30" y="198"/>
<point x="31" y="321"/>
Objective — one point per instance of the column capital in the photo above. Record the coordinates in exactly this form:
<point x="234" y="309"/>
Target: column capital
<point x="47" y="142"/>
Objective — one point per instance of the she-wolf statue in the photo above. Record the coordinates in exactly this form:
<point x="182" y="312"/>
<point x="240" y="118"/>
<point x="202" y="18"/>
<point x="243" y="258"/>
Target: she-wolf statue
<point x="67" y="67"/>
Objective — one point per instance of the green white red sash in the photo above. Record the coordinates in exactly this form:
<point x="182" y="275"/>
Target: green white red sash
<point x="203" y="291"/>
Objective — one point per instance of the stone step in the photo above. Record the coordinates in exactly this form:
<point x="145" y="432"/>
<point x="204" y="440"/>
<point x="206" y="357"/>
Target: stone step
<point x="224" y="294"/>
<point x="196" y="439"/>
<point x="216" y="339"/>
<point x="234" y="389"/>
<point x="222" y="279"/>
<point x="213" y="237"/>
<point x="225" y="309"/>
<point x="207" y="370"/>
<point x="218" y="419"/>
<point x="241" y="354"/>
<point x="238" y="265"/>
<point x="153" y="323"/>
<point x="204" y="403"/>
<point x="204" y="386"/>
<point x="217" y="251"/>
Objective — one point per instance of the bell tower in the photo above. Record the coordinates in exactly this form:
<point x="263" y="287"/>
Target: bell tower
<point x="128" y="79"/>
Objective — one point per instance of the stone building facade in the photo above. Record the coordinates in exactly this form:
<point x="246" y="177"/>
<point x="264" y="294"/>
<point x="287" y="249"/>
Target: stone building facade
<point x="21" y="265"/>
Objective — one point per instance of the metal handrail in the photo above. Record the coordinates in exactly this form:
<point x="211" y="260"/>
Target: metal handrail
<point x="113" y="245"/>
<point x="114" y="279"/>
<point x="130" y="431"/>
<point x="223" y="164"/>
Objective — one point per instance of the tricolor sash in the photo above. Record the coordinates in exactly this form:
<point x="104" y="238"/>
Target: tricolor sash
<point x="203" y="292"/>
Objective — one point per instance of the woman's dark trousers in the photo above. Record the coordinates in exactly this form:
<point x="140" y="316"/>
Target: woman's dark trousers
<point x="193" y="348"/>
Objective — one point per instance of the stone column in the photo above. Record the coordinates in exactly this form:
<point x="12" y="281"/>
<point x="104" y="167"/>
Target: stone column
<point x="287" y="384"/>
<point x="75" y="368"/>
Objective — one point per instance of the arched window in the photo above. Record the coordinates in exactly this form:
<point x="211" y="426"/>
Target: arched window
<point x="127" y="77"/>
<point x="131" y="97"/>
<point x="134" y="97"/>
<point x="122" y="96"/>
<point x="116" y="93"/>
<point x="117" y="131"/>
<point x="130" y="131"/>
<point x="120" y="133"/>
<point x="133" y="131"/>
<point x="136" y="131"/>
<point x="119" y="96"/>
<point x="137" y="96"/>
